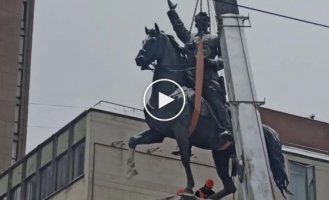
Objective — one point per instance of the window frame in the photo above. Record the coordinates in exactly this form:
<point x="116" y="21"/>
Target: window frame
<point x="60" y="156"/>
<point x="41" y="184"/>
<point x="74" y="147"/>
<point x="28" y="179"/>
<point x="40" y="167"/>
<point x="306" y="167"/>
<point x="14" y="189"/>
<point x="5" y="177"/>
<point x="4" y="197"/>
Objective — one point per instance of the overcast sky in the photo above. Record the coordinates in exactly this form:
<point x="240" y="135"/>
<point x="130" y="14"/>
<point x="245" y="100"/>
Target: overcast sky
<point x="83" y="52"/>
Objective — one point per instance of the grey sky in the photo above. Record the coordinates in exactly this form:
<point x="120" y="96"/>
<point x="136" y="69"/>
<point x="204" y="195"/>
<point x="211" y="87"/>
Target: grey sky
<point x="83" y="51"/>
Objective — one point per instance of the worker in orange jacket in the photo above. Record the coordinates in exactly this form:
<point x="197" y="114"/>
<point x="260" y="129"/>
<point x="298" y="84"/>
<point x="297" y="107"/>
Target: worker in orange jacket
<point x="206" y="190"/>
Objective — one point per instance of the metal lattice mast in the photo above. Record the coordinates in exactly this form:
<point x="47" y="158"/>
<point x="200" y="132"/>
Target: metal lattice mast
<point x="248" y="133"/>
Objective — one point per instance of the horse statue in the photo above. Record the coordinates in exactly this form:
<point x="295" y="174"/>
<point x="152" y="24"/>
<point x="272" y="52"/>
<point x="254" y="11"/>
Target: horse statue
<point x="171" y="64"/>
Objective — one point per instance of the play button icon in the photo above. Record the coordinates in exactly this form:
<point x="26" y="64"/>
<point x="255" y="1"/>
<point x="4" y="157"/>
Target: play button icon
<point x="166" y="101"/>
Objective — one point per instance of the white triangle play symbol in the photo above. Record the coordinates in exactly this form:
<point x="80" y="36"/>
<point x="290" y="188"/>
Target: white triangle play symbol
<point x="164" y="100"/>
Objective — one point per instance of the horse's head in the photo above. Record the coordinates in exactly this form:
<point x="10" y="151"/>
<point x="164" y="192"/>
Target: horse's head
<point x="153" y="49"/>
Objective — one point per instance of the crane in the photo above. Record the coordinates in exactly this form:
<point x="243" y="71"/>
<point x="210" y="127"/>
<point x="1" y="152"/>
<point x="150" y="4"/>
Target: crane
<point x="248" y="133"/>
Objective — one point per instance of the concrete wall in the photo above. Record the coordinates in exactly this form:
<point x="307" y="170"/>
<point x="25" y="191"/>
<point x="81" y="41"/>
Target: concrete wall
<point x="158" y="177"/>
<point x="76" y="191"/>
<point x="160" y="173"/>
<point x="10" y="16"/>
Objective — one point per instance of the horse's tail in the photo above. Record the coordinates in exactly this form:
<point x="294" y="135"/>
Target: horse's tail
<point x="276" y="159"/>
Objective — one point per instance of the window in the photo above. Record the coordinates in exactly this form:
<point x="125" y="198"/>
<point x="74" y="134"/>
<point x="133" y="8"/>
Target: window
<point x="79" y="159"/>
<point x="79" y="130"/>
<point x="62" y="170"/>
<point x="19" y="78"/>
<point x="16" y="176"/>
<point x="31" y="165"/>
<point x="46" y="153"/>
<point x="14" y="151"/>
<point x="20" y="58"/>
<point x="62" y="143"/>
<point x="30" y="193"/>
<point x="302" y="181"/>
<point x="3" y="198"/>
<point x="23" y="15"/>
<point x="16" y="193"/>
<point x="3" y="185"/>
<point x="17" y="109"/>
<point x="24" y="11"/>
<point x="46" y="180"/>
<point x="18" y="91"/>
<point x="21" y="44"/>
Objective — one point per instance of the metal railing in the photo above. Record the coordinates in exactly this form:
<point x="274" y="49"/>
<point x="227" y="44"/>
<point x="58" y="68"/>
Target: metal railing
<point x="119" y="108"/>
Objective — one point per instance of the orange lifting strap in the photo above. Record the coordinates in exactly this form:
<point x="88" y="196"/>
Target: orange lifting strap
<point x="198" y="86"/>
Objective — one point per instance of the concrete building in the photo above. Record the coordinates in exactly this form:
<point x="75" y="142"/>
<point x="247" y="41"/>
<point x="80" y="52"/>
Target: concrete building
<point x="16" y="21"/>
<point x="306" y="145"/>
<point x="86" y="160"/>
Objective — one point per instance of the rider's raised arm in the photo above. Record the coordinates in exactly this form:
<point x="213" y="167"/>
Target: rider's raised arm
<point x="182" y="33"/>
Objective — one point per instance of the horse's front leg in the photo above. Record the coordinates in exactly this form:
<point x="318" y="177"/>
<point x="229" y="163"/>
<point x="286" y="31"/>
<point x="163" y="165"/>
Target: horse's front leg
<point x="131" y="163"/>
<point x="182" y="138"/>
<point x="146" y="137"/>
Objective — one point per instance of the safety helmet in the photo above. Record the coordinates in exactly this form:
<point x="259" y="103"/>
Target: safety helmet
<point x="209" y="183"/>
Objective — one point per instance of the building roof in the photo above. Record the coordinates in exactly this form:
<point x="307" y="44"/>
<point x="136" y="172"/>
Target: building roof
<point x="298" y="131"/>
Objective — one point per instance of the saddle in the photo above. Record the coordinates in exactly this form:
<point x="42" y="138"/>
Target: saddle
<point x="189" y="95"/>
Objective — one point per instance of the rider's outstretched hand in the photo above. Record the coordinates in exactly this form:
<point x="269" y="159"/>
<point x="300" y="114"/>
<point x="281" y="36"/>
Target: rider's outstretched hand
<point x="171" y="5"/>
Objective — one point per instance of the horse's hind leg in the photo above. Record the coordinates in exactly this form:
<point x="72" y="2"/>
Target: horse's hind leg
<point x="146" y="137"/>
<point x="182" y="138"/>
<point x="221" y="159"/>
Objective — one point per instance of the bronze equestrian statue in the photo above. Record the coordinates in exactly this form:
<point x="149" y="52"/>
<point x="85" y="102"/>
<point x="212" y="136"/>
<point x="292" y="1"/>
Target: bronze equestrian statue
<point x="173" y="64"/>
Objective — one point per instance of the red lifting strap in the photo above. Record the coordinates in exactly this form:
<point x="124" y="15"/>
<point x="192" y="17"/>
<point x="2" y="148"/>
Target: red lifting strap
<point x="198" y="86"/>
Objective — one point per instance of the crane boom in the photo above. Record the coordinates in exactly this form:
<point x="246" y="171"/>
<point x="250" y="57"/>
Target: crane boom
<point x="247" y="126"/>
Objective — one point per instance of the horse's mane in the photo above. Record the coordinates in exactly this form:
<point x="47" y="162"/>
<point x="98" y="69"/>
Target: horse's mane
<point x="175" y="44"/>
<point x="181" y="50"/>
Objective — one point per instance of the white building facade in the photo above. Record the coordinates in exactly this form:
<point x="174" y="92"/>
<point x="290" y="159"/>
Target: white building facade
<point x="86" y="160"/>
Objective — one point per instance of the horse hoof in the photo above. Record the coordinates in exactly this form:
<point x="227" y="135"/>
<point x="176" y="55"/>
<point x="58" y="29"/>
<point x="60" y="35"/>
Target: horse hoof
<point x="232" y="189"/>
<point x="188" y="191"/>
<point x="130" y="163"/>
<point x="132" y="172"/>
<point x="187" y="196"/>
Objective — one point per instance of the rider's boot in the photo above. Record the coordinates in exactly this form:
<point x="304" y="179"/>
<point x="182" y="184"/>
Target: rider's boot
<point x="214" y="93"/>
<point x="222" y="114"/>
<point x="226" y="135"/>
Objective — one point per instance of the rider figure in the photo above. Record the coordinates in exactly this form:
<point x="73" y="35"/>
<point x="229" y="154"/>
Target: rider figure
<point x="213" y="85"/>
